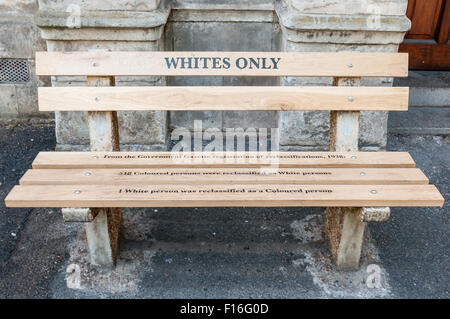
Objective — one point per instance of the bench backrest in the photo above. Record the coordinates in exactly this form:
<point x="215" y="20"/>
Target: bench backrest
<point x="273" y="64"/>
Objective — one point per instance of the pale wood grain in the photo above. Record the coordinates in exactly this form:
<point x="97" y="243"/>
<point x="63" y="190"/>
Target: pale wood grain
<point x="290" y="64"/>
<point x="226" y="176"/>
<point x="222" y="98"/>
<point x="218" y="159"/>
<point x="223" y="195"/>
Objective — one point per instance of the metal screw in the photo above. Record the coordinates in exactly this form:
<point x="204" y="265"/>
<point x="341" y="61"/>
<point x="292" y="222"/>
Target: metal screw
<point x="373" y="191"/>
<point x="350" y="65"/>
<point x="351" y="98"/>
<point x="88" y="174"/>
<point x="96" y="99"/>
<point x="354" y="157"/>
<point x="94" y="64"/>
<point x="77" y="192"/>
<point x="362" y="174"/>
<point x="95" y="157"/>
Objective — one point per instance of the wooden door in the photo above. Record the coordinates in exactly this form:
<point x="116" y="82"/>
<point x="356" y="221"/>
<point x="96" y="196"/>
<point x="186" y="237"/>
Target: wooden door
<point x="428" y="40"/>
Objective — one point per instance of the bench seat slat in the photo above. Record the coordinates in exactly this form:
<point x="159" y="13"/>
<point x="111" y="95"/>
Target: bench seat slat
<point x="245" y="98"/>
<point x="222" y="195"/>
<point x="226" y="176"/>
<point x="344" y="64"/>
<point x="47" y="160"/>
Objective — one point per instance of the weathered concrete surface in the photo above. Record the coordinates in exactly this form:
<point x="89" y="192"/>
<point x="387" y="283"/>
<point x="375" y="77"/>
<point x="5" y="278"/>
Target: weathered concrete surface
<point x="104" y="18"/>
<point x="223" y="11"/>
<point x="343" y="16"/>
<point x="92" y="5"/>
<point x="103" y="232"/>
<point x="260" y="5"/>
<point x="19" y="39"/>
<point x="375" y="214"/>
<point x="78" y="214"/>
<point x="387" y="7"/>
<point x="333" y="26"/>
<point x="231" y="252"/>
<point x="8" y="101"/>
<point x="137" y="130"/>
<point x="14" y="6"/>
<point x="19" y="36"/>
<point x="218" y="36"/>
<point x="122" y="26"/>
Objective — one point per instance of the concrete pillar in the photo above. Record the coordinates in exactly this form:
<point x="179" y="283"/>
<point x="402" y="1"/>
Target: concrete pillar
<point x="77" y="25"/>
<point x="327" y="25"/>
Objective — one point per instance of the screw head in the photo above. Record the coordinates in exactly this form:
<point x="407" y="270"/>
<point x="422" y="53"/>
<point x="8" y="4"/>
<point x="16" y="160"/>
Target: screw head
<point x="96" y="99"/>
<point x="350" y="65"/>
<point x="88" y="174"/>
<point x="351" y="98"/>
<point x="94" y="64"/>
<point x="354" y="157"/>
<point x="362" y="174"/>
<point x="373" y="191"/>
<point x="77" y="192"/>
<point x="95" y="157"/>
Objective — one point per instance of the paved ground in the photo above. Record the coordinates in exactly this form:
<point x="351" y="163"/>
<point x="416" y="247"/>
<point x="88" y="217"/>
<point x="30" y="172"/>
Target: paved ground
<point x="227" y="252"/>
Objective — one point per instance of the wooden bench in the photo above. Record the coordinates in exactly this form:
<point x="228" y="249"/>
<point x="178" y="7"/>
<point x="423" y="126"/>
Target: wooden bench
<point x="91" y="187"/>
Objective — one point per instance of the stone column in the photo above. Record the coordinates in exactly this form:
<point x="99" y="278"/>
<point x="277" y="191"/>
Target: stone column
<point x="120" y="25"/>
<point x="328" y="25"/>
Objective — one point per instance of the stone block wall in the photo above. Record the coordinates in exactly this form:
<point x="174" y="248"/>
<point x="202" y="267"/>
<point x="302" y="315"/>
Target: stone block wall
<point x="215" y="25"/>
<point x="202" y="25"/>
<point x="331" y="26"/>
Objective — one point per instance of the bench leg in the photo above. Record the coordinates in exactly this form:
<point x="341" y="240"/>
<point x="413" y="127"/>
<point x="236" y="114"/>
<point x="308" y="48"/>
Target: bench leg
<point x="103" y="231"/>
<point x="103" y="234"/>
<point x="345" y="230"/>
<point x="344" y="227"/>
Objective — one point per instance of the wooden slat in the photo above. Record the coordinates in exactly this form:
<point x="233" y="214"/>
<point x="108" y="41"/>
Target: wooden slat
<point x="222" y="98"/>
<point x="227" y="176"/>
<point x="289" y="64"/>
<point x="217" y="159"/>
<point x="222" y="195"/>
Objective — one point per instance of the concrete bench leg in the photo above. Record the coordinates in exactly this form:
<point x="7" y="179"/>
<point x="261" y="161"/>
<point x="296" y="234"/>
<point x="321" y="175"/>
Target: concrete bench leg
<point x="103" y="232"/>
<point x="345" y="229"/>
<point x="343" y="226"/>
<point x="102" y="235"/>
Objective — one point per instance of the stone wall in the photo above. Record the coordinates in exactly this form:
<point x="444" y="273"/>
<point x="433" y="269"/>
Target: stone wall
<point x="328" y="25"/>
<point x="221" y="25"/>
<point x="202" y="25"/>
<point x="107" y="25"/>
<point x="19" y="39"/>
